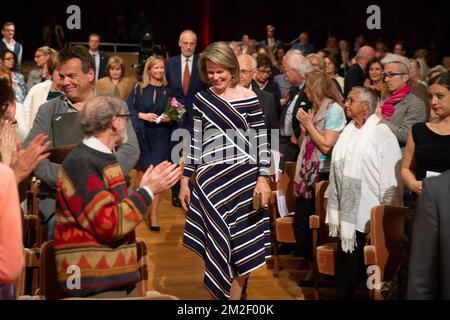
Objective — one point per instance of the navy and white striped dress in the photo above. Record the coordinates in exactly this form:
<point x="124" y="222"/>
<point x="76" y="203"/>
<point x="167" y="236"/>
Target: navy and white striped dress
<point x="221" y="225"/>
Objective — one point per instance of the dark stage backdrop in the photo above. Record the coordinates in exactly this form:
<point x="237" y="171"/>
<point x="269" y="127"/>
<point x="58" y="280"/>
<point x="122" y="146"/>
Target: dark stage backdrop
<point x="420" y="23"/>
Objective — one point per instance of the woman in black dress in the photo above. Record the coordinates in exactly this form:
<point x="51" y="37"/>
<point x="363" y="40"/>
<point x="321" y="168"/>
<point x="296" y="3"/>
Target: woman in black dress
<point x="427" y="155"/>
<point x="147" y="104"/>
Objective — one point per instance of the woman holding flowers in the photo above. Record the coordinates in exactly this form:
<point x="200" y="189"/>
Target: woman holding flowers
<point x="147" y="104"/>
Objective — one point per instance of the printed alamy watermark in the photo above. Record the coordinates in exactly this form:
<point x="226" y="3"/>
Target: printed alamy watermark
<point x="74" y="20"/>
<point x="374" y="20"/>
<point x="373" y="277"/>
<point x="73" y="282"/>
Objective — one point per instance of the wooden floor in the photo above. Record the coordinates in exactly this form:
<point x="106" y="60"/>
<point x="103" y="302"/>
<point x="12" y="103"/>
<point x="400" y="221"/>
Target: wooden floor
<point x="177" y="271"/>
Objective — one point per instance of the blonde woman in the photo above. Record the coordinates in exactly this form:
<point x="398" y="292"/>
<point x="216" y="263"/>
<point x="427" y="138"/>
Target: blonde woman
<point x="320" y="128"/>
<point x="222" y="226"/>
<point x="115" y="82"/>
<point x="41" y="73"/>
<point x="146" y="103"/>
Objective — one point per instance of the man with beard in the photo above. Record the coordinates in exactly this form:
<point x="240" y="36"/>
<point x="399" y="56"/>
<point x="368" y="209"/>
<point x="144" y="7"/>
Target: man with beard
<point x="77" y="79"/>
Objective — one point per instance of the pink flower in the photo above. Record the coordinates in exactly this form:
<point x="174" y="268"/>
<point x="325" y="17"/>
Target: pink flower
<point x="173" y="102"/>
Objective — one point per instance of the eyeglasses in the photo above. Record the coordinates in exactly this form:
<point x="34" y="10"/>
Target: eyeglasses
<point x="390" y="75"/>
<point x="246" y="72"/>
<point x="265" y="71"/>
<point x="350" y="101"/>
<point x="127" y="116"/>
<point x="10" y="58"/>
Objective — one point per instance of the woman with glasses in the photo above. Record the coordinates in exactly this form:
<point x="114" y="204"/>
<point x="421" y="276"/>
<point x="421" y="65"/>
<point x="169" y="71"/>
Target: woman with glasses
<point x="320" y="128"/>
<point x="9" y="59"/>
<point x="147" y="104"/>
<point x="263" y="77"/>
<point x="40" y="74"/>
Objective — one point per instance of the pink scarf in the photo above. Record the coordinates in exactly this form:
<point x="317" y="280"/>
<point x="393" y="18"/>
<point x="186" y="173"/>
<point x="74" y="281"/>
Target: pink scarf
<point x="388" y="107"/>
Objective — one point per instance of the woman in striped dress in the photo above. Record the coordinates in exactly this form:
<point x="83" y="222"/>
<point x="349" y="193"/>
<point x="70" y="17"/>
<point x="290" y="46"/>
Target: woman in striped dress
<point x="229" y="156"/>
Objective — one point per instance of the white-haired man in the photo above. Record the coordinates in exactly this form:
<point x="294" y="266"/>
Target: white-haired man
<point x="297" y="66"/>
<point x="402" y="108"/>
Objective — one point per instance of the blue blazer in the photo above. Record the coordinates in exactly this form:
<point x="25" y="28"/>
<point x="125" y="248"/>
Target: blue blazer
<point x="174" y="78"/>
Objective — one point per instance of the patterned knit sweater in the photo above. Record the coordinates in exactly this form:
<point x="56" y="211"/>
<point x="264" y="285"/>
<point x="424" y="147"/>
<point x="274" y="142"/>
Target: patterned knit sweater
<point x="95" y="222"/>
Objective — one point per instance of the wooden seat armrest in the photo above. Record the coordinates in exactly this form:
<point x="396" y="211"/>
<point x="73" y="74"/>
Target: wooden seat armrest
<point x="314" y="222"/>
<point x="369" y="255"/>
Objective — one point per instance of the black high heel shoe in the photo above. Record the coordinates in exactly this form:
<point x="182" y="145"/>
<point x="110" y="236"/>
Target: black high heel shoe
<point x="152" y="227"/>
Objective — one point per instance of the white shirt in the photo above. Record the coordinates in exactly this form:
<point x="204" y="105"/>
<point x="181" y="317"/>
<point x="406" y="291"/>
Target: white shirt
<point x="97" y="63"/>
<point x="380" y="174"/>
<point x="183" y="65"/>
<point x="287" y="129"/>
<point x="96" y="144"/>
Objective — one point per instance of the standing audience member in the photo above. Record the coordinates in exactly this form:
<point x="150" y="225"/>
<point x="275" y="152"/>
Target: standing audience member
<point x="184" y="82"/>
<point x="320" y="128"/>
<point x="263" y="77"/>
<point x="426" y="155"/>
<point x="53" y="33"/>
<point x="141" y="28"/>
<point x="356" y="75"/>
<point x="76" y="78"/>
<point x="271" y="43"/>
<point x="303" y="45"/>
<point x="331" y="68"/>
<point x="15" y="112"/>
<point x="147" y="104"/>
<point x="402" y="108"/>
<point x="297" y="66"/>
<point x="428" y="277"/>
<point x="42" y="92"/>
<point x="100" y="59"/>
<point x="365" y="172"/>
<point x="374" y="81"/>
<point x="96" y="216"/>
<point x="418" y="88"/>
<point x="115" y="82"/>
<point x="9" y="61"/>
<point x="344" y="57"/>
<point x="9" y="43"/>
<point x="222" y="226"/>
<point x="41" y="73"/>
<point x="400" y="48"/>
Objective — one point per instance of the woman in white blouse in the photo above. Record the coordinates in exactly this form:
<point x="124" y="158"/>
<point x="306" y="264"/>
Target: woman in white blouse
<point x="365" y="172"/>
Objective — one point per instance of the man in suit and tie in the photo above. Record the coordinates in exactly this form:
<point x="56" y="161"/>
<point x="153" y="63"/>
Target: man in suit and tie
<point x="356" y="75"/>
<point x="270" y="42"/>
<point x="184" y="82"/>
<point x="100" y="59"/>
<point x="296" y="67"/>
<point x="429" y="268"/>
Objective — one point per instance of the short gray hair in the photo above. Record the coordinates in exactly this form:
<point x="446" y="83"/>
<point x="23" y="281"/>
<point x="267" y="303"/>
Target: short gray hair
<point x="368" y="95"/>
<point x="299" y="63"/>
<point x="98" y="113"/>
<point x="395" y="58"/>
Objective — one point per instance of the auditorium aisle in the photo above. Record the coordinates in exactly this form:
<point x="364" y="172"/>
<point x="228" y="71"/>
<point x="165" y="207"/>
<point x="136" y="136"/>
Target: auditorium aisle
<point x="176" y="270"/>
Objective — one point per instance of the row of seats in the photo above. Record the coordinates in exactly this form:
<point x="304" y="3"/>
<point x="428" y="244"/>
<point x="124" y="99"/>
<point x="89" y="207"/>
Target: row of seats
<point x="386" y="227"/>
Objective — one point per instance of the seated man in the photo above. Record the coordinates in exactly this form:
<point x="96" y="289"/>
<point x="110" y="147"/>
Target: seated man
<point x="95" y="215"/>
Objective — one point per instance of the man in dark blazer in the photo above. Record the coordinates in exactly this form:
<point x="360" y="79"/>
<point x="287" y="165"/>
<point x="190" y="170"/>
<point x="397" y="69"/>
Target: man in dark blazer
<point x="184" y="82"/>
<point x="101" y="59"/>
<point x="429" y="268"/>
<point x="296" y="67"/>
<point x="247" y="65"/>
<point x="356" y="75"/>
<point x="270" y="42"/>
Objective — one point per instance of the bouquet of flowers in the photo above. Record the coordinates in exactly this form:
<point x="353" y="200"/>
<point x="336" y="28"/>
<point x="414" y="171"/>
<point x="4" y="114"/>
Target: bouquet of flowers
<point x="174" y="110"/>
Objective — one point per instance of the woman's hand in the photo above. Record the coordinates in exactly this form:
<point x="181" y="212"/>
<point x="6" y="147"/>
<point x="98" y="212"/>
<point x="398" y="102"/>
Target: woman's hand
<point x="305" y="118"/>
<point x="165" y="118"/>
<point x="150" y="117"/>
<point x="7" y="142"/>
<point x="185" y="193"/>
<point x="294" y="139"/>
<point x="263" y="188"/>
<point x="416" y="186"/>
